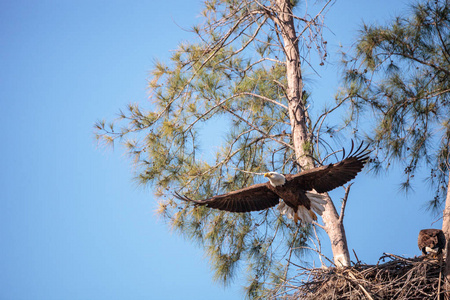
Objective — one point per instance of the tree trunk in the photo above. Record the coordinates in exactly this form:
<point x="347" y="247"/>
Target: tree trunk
<point x="336" y="232"/>
<point x="300" y="136"/>
<point x="297" y="116"/>
<point x="446" y="230"/>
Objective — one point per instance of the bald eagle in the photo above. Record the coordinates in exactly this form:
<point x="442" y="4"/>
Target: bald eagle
<point x="431" y="241"/>
<point x="301" y="193"/>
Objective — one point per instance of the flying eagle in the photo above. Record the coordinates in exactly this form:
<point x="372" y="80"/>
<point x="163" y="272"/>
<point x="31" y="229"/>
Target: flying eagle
<point x="431" y="241"/>
<point x="301" y="193"/>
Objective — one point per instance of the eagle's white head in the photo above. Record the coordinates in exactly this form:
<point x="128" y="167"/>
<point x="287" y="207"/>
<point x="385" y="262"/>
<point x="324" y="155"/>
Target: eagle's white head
<point x="276" y="179"/>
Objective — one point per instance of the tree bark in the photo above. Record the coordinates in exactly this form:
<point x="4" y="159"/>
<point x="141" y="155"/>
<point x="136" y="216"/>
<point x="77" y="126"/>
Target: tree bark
<point x="336" y="232"/>
<point x="446" y="230"/>
<point x="300" y="137"/>
<point x="297" y="116"/>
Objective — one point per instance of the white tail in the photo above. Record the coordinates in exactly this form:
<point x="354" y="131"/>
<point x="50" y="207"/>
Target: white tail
<point x="317" y="201"/>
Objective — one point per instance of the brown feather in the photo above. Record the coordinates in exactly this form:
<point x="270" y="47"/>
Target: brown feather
<point x="431" y="238"/>
<point x="326" y="178"/>
<point x="252" y="198"/>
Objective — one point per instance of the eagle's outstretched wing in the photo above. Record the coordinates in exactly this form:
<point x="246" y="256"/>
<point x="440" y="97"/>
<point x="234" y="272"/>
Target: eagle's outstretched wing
<point x="329" y="177"/>
<point x="254" y="197"/>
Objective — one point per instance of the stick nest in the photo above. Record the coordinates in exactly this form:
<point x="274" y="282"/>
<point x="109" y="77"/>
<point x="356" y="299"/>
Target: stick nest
<point x="393" y="277"/>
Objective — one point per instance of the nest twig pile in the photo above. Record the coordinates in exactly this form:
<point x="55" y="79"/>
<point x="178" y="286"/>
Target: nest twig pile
<point x="393" y="277"/>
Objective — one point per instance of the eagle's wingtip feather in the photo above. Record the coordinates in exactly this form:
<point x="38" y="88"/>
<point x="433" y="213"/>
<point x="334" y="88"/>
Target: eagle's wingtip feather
<point x="184" y="198"/>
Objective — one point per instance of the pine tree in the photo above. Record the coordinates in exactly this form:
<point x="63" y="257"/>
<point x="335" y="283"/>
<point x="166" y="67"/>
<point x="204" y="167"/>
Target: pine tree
<point x="245" y="71"/>
<point x="401" y="73"/>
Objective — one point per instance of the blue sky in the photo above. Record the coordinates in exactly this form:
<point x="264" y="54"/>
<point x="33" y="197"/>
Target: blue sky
<point x="73" y="224"/>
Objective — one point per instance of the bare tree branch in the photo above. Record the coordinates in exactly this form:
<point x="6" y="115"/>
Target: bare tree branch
<point x="257" y="129"/>
<point x="344" y="203"/>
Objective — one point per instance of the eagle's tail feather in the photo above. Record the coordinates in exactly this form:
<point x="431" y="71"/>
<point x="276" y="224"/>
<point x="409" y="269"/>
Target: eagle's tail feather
<point x="286" y="210"/>
<point x="304" y="214"/>
<point x="317" y="201"/>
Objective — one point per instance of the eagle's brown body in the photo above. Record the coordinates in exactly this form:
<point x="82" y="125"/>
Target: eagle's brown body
<point x="294" y="191"/>
<point x="431" y="241"/>
<point x="293" y="195"/>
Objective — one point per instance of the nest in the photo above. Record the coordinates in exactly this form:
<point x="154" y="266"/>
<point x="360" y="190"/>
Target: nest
<point x="393" y="277"/>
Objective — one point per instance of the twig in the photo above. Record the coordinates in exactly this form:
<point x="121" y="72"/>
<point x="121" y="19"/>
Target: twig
<point x="360" y="286"/>
<point x="319" y="248"/>
<point x="344" y="203"/>
<point x="248" y="172"/>
<point x="317" y="224"/>
<point x="437" y="220"/>
<point x="356" y="256"/>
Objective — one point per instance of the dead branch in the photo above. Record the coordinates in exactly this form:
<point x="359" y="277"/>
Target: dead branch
<point x="344" y="203"/>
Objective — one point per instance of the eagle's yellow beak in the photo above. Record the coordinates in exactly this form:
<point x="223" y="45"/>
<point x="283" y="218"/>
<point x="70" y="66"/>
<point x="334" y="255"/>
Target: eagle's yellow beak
<point x="266" y="174"/>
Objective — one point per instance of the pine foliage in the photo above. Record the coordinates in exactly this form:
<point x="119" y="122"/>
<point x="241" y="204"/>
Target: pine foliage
<point x="401" y="73"/>
<point x="234" y="74"/>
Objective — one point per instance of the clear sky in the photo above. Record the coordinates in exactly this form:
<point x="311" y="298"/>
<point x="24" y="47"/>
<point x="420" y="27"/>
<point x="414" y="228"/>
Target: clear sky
<point x="73" y="224"/>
